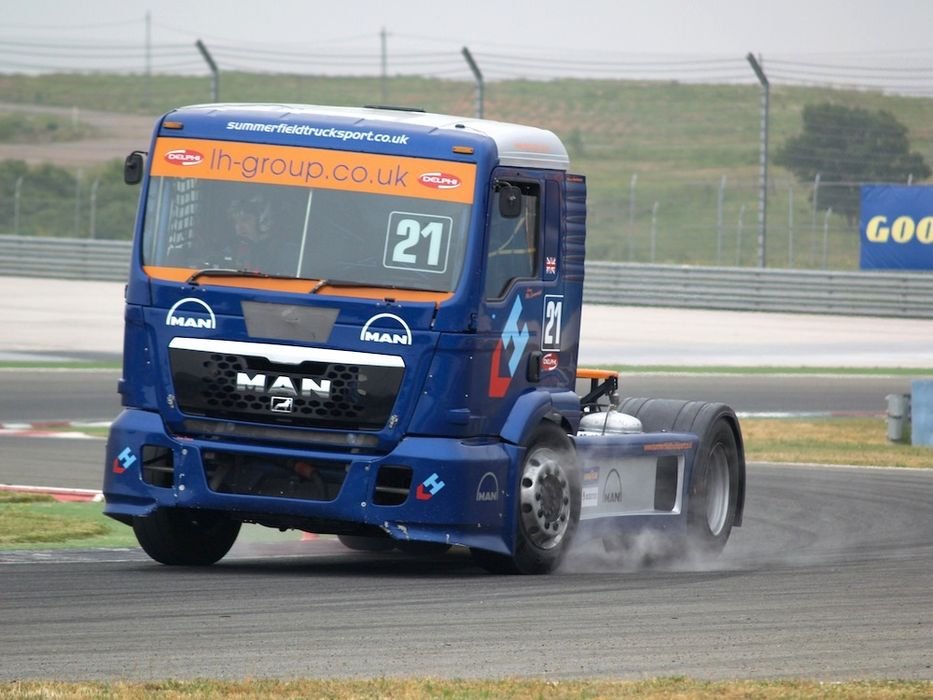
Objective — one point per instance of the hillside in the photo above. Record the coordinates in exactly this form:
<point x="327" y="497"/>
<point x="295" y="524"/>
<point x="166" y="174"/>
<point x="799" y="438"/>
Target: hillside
<point x="676" y="141"/>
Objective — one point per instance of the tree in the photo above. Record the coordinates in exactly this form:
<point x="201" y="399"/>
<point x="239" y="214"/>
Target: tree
<point x="850" y="146"/>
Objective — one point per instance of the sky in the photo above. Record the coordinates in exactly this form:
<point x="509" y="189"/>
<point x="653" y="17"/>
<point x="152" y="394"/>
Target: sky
<point x="863" y="42"/>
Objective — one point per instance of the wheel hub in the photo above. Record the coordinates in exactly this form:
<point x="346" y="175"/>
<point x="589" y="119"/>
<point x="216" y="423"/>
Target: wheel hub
<point x="545" y="498"/>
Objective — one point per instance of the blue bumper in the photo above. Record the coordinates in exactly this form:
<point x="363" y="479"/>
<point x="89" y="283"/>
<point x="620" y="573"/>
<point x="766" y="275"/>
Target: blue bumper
<point x="458" y="491"/>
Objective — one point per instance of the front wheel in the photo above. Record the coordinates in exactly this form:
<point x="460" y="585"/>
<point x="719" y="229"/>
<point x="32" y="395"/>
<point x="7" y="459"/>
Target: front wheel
<point x="548" y="502"/>
<point x="180" y="537"/>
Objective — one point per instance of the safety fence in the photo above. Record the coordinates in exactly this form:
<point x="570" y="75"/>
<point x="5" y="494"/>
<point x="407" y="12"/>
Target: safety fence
<point x="897" y="294"/>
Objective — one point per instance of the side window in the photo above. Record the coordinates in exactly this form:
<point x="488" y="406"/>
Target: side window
<point x="513" y="242"/>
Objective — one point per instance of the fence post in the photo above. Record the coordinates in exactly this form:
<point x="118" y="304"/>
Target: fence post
<point x="631" y="216"/>
<point x="829" y="212"/>
<point x="722" y="191"/>
<point x="654" y="230"/>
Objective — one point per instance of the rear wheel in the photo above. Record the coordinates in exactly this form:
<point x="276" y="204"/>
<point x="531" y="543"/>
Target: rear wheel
<point x="180" y="537"/>
<point x="713" y="497"/>
<point x="716" y="496"/>
<point x="548" y="502"/>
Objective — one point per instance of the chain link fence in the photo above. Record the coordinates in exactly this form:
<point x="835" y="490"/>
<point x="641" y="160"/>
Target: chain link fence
<point x="672" y="169"/>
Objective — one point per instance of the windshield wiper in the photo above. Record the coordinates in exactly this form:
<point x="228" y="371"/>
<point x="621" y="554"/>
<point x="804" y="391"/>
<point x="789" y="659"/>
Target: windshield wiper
<point x="229" y="272"/>
<point x="335" y="283"/>
<point x="347" y="283"/>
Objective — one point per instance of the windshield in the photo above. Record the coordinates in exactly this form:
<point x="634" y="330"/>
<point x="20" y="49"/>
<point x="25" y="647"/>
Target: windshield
<point x="328" y="231"/>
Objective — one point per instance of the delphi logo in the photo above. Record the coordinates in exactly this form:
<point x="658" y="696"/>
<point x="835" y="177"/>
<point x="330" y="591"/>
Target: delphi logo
<point x="396" y="336"/>
<point x="439" y="180"/>
<point x="183" y="156"/>
<point x="178" y="318"/>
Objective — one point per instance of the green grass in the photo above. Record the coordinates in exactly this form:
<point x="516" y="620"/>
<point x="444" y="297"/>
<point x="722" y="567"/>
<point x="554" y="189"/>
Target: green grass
<point x="854" y="441"/>
<point x="25" y="128"/>
<point x="37" y="522"/>
<point x="770" y="370"/>
<point x="77" y="364"/>
<point x="505" y="689"/>
<point x="679" y="139"/>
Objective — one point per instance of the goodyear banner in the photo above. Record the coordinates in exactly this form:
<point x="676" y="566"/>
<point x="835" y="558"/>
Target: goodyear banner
<point x="896" y="227"/>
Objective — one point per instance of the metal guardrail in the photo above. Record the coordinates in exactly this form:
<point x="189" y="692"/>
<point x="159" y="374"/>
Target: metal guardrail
<point x="64" y="258"/>
<point x="897" y="294"/>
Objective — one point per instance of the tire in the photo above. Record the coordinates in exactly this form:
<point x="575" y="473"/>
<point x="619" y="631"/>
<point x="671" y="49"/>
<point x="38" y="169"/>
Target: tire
<point x="361" y="543"/>
<point x="714" y="492"/>
<point x="180" y="537"/>
<point x="422" y="549"/>
<point x="547" y="500"/>
<point x="716" y="496"/>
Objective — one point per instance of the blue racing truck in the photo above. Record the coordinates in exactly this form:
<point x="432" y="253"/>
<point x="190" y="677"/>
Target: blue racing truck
<point x="365" y="322"/>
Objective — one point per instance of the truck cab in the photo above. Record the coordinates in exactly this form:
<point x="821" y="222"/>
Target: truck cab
<point x="357" y="321"/>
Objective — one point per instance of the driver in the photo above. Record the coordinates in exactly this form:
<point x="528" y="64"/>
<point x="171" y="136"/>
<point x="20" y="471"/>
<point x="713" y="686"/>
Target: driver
<point x="250" y="218"/>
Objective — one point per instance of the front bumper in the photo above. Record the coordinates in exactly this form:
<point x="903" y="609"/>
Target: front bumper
<point x="426" y="489"/>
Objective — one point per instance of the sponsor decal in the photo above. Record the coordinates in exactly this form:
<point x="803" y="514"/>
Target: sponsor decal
<point x="612" y="489"/>
<point x="124" y="461"/>
<point x="281" y="404"/>
<point x="590" y="474"/>
<point x="183" y="156"/>
<point x="488" y="488"/>
<point x="260" y="383"/>
<point x="668" y="447"/>
<point x="297" y="166"/>
<point x="550" y="361"/>
<point x="550" y="266"/>
<point x="589" y="497"/>
<point x="439" y="181"/>
<point x="318" y="131"/>
<point x="396" y="336"/>
<point x="429" y="487"/>
<point x="512" y="342"/>
<point x="177" y="317"/>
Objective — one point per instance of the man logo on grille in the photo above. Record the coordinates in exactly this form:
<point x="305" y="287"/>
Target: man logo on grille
<point x="282" y="404"/>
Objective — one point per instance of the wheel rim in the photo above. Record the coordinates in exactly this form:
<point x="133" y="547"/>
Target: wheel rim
<point x="545" y="498"/>
<point x="717" y="489"/>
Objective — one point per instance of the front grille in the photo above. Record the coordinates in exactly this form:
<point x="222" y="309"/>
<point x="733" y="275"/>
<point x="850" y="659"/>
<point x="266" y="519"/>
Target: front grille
<point x="312" y="394"/>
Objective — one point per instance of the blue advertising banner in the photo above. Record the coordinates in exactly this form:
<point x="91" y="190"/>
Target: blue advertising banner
<point x="896" y="228"/>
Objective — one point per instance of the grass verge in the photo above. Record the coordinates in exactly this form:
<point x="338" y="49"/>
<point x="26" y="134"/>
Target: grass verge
<point x="32" y="521"/>
<point x="857" y="441"/>
<point x="804" y="371"/>
<point x="409" y="689"/>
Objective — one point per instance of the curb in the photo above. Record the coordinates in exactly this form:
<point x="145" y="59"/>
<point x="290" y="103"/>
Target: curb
<point x="62" y="495"/>
<point x="53" y="429"/>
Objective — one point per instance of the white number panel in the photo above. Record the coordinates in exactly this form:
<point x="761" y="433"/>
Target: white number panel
<point x="419" y="242"/>
<point x="553" y="323"/>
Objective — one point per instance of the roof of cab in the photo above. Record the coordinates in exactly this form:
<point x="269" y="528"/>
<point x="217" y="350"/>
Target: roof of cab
<point x="518" y="145"/>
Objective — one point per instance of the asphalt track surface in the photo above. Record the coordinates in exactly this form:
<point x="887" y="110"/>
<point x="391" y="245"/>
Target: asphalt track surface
<point x="829" y="578"/>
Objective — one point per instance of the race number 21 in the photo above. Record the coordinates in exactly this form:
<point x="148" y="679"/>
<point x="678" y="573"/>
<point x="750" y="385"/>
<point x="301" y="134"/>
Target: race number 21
<point x="418" y="242"/>
<point x="552" y="323"/>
